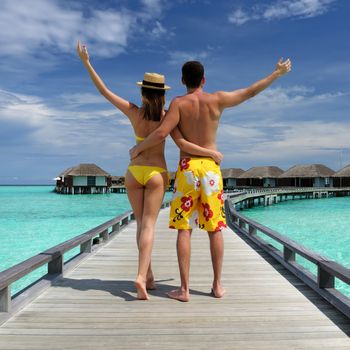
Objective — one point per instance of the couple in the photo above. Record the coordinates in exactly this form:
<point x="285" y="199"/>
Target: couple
<point x="192" y="120"/>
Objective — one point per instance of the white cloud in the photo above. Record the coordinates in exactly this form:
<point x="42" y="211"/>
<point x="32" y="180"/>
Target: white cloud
<point x="158" y="30"/>
<point x="314" y="141"/>
<point x="39" y="25"/>
<point x="180" y="57"/>
<point x="153" y="7"/>
<point x="285" y="126"/>
<point x="62" y="130"/>
<point x="266" y="130"/>
<point x="282" y="9"/>
<point x="292" y="102"/>
<point x="81" y="99"/>
<point x="300" y="8"/>
<point x="239" y="17"/>
<point x="43" y="28"/>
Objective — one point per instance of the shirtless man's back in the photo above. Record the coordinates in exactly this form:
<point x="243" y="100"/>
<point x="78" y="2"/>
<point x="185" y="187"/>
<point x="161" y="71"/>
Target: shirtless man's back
<point x="197" y="199"/>
<point x="199" y="118"/>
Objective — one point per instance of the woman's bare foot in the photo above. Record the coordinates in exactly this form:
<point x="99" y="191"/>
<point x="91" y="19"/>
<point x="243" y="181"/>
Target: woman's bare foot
<point x="218" y="291"/>
<point x="150" y="284"/>
<point x="141" y="289"/>
<point x="179" y="294"/>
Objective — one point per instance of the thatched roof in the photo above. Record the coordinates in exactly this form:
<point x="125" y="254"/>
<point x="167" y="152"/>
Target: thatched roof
<point x="262" y="172"/>
<point x="115" y="178"/>
<point x="345" y="172"/>
<point x="308" y="170"/>
<point x="84" y="170"/>
<point x="231" y="173"/>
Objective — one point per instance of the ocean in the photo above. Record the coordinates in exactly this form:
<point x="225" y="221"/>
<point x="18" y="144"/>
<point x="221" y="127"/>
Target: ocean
<point x="321" y="225"/>
<point x="34" y="218"/>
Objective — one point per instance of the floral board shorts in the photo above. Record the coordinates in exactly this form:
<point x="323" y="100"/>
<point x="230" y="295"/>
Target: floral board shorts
<point x="198" y="196"/>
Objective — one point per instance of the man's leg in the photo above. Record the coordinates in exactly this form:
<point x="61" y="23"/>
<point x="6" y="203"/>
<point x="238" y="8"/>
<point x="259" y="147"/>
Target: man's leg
<point x="183" y="246"/>
<point x="217" y="256"/>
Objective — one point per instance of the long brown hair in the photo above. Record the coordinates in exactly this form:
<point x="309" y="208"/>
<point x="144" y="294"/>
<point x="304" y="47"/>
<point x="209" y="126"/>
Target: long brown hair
<point x="153" y="102"/>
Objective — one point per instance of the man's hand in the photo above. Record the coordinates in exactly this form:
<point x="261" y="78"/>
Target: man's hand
<point x="283" y="67"/>
<point x="217" y="156"/>
<point x="133" y="152"/>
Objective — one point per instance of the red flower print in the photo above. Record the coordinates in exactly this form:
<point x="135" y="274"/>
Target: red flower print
<point x="207" y="212"/>
<point x="211" y="182"/>
<point x="221" y="225"/>
<point x="221" y="197"/>
<point x="184" y="163"/>
<point x="187" y="203"/>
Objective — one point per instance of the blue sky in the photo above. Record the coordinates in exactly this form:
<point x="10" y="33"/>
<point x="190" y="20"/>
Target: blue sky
<point x="52" y="117"/>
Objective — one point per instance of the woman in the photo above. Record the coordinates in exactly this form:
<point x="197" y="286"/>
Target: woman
<point x="147" y="177"/>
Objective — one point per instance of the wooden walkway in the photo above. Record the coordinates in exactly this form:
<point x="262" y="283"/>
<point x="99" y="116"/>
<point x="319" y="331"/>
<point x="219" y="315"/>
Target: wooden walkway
<point x="94" y="306"/>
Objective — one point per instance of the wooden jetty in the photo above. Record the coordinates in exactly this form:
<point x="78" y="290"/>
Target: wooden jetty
<point x="248" y="197"/>
<point x="93" y="305"/>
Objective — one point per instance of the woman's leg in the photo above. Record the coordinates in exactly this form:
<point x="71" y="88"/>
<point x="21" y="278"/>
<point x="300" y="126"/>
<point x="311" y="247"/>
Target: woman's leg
<point x="135" y="192"/>
<point x="153" y="198"/>
<point x="136" y="196"/>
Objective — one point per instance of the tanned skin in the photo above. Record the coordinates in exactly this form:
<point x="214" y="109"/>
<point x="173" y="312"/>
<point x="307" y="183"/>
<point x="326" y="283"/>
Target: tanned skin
<point x="197" y="115"/>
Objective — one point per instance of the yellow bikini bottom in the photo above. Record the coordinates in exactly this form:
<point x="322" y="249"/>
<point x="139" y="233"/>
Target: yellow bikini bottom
<point x="143" y="173"/>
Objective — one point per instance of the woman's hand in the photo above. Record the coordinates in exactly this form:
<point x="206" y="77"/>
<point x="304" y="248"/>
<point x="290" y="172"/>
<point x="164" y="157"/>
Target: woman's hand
<point x="133" y="152"/>
<point x="283" y="67"/>
<point x="217" y="156"/>
<point x="82" y="52"/>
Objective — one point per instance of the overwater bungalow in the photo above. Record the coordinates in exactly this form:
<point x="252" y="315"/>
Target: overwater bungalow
<point x="83" y="179"/>
<point x="230" y="176"/>
<point x="260" y="176"/>
<point x="118" y="180"/>
<point x="307" y="175"/>
<point x="171" y="179"/>
<point x="342" y="177"/>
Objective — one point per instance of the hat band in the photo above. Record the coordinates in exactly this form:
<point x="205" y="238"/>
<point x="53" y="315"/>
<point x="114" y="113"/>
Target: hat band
<point x="145" y="82"/>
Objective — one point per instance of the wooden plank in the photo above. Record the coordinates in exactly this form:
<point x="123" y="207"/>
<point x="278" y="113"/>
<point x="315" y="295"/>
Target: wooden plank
<point x="94" y="306"/>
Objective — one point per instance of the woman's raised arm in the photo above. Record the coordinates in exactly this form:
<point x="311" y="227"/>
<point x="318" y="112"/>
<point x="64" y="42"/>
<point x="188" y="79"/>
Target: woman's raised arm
<point x="125" y="106"/>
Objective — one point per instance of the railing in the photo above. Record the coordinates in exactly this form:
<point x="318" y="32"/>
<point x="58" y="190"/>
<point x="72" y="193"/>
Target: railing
<point x="289" y="189"/>
<point x="53" y="257"/>
<point x="327" y="271"/>
<point x="273" y="195"/>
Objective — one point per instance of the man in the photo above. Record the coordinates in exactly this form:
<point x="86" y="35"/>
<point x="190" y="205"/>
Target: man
<point x="198" y="184"/>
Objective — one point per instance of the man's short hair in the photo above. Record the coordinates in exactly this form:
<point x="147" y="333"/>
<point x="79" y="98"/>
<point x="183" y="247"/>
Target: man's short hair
<point x="192" y="74"/>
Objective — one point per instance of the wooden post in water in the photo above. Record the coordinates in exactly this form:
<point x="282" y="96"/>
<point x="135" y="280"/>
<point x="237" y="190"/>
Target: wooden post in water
<point x="5" y="299"/>
<point x="86" y="247"/>
<point x="116" y="227"/>
<point x="324" y="278"/>
<point x="241" y="223"/>
<point x="288" y="254"/>
<point x="104" y="235"/>
<point x="56" y="265"/>
<point x="252" y="230"/>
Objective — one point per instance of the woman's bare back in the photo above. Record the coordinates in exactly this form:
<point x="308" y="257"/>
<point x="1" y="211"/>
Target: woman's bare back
<point x="155" y="155"/>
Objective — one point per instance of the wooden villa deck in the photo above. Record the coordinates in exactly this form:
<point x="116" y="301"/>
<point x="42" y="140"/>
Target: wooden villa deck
<point x="94" y="305"/>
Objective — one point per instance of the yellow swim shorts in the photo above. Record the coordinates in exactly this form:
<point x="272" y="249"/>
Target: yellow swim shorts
<point x="198" y="196"/>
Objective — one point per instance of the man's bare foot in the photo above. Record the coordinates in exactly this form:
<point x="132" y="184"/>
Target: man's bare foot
<point x="218" y="292"/>
<point x="141" y="289"/>
<point x="179" y="294"/>
<point x="150" y="285"/>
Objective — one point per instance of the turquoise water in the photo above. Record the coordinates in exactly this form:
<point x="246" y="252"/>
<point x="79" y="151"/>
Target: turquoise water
<point x="321" y="225"/>
<point x="33" y="219"/>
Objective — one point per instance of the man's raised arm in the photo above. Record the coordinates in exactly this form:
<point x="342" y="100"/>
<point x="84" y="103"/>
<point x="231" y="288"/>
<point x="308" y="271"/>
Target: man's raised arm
<point x="233" y="98"/>
<point x="169" y="122"/>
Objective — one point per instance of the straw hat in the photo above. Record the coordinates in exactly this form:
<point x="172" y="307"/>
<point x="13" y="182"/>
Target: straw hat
<point x="153" y="81"/>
